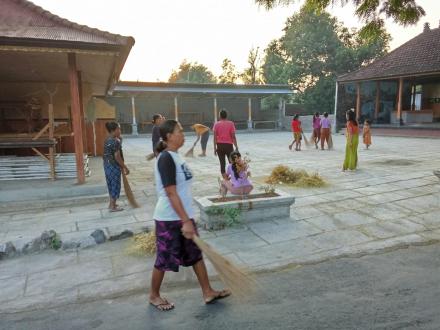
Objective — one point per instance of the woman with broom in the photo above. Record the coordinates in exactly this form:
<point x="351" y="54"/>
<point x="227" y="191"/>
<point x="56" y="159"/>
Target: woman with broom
<point x="174" y="218"/>
<point x="352" y="136"/>
<point x="113" y="164"/>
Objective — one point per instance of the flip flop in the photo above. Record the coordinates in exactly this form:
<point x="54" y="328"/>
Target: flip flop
<point x="117" y="209"/>
<point x="222" y="294"/>
<point x="164" y="303"/>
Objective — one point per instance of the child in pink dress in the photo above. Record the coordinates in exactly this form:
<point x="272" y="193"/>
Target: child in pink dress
<point x="237" y="174"/>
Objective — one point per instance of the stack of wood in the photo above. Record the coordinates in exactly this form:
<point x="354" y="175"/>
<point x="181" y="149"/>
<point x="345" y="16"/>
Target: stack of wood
<point x="35" y="167"/>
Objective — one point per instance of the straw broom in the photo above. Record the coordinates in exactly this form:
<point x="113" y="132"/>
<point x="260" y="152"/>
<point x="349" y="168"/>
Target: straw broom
<point x="129" y="192"/>
<point x="330" y="142"/>
<point x="150" y="156"/>
<point x="190" y="152"/>
<point x="307" y="143"/>
<point x="240" y="283"/>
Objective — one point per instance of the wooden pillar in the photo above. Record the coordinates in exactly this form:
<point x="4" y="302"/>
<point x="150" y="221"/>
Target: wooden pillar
<point x="76" y="117"/>
<point x="249" y="123"/>
<point x="81" y="105"/>
<point x="215" y="110"/>
<point x="134" y="128"/>
<point x="399" y="102"/>
<point x="377" y="104"/>
<point x="358" y="100"/>
<point x="51" y="136"/>
<point x="176" y="109"/>
<point x="335" y="119"/>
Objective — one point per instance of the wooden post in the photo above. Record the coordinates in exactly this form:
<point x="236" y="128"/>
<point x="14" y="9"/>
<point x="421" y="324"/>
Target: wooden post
<point x="249" y="123"/>
<point x="176" y="109"/>
<point x="413" y="98"/>
<point x="81" y="104"/>
<point x="76" y="118"/>
<point x="358" y="100"/>
<point x="134" y="130"/>
<point x="377" y="105"/>
<point x="215" y="110"/>
<point x="51" y="149"/>
<point x="399" y="102"/>
<point x="335" y="119"/>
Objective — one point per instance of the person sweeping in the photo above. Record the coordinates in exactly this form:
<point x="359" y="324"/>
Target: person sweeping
<point x="113" y="164"/>
<point x="202" y="133"/>
<point x="297" y="133"/>
<point x="174" y="219"/>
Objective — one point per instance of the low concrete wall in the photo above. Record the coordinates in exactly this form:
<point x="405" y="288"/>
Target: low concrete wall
<point x="252" y="209"/>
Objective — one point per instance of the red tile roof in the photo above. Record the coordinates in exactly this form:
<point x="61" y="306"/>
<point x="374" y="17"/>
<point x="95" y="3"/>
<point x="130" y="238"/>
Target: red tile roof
<point x="21" y="19"/>
<point x="420" y="55"/>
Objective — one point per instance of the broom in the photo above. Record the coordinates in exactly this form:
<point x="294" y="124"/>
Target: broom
<point x="240" y="283"/>
<point x="307" y="143"/>
<point x="330" y="141"/>
<point x="129" y="192"/>
<point x="190" y="152"/>
<point x="150" y="156"/>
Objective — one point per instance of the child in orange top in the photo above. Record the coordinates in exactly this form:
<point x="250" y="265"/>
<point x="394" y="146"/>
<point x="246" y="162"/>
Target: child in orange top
<point x="366" y="133"/>
<point x="297" y="131"/>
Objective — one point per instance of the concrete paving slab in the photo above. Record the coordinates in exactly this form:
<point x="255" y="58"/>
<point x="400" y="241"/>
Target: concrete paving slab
<point x="275" y="233"/>
<point x="68" y="277"/>
<point x="325" y="223"/>
<point x="399" y="227"/>
<point x="430" y="220"/>
<point x="304" y="212"/>
<point x="351" y="218"/>
<point x="241" y="241"/>
<point x="421" y="204"/>
<point x="106" y="222"/>
<point x="12" y="288"/>
<point x="338" y="239"/>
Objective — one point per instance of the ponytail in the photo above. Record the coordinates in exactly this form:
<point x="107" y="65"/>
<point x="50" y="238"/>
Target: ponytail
<point x="160" y="146"/>
<point x="167" y="127"/>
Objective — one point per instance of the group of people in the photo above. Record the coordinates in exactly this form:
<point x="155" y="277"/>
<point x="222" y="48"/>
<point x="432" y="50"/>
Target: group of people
<point x="322" y="133"/>
<point x="174" y="213"/>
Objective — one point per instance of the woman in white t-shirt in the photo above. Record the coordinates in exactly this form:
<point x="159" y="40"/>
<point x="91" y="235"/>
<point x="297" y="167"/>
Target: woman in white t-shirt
<point x="174" y="218"/>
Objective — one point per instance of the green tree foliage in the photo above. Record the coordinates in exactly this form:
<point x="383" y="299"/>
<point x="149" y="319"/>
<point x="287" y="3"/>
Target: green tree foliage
<point x="254" y="73"/>
<point x="192" y="73"/>
<point x="314" y="50"/>
<point x="229" y="73"/>
<point x="371" y="12"/>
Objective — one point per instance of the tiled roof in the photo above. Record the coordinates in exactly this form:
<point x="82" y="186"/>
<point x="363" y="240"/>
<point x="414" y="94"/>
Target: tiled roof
<point x="419" y="55"/>
<point x="21" y="19"/>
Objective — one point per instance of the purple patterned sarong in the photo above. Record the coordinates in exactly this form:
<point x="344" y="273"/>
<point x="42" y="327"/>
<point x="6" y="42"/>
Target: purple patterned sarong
<point x="172" y="248"/>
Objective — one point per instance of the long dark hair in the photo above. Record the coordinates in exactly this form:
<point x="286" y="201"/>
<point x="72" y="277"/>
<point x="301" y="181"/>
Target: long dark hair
<point x="352" y="117"/>
<point x="156" y="117"/>
<point x="111" y="126"/>
<point x="167" y="127"/>
<point x="234" y="155"/>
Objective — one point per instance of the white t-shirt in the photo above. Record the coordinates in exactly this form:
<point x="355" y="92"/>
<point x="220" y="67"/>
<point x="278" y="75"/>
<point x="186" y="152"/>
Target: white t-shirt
<point x="171" y="170"/>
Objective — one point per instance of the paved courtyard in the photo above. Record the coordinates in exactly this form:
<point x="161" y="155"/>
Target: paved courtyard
<point x="393" y="200"/>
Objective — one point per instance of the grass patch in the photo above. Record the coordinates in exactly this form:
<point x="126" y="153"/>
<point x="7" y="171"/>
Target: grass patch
<point x="282" y="174"/>
<point x="142" y="244"/>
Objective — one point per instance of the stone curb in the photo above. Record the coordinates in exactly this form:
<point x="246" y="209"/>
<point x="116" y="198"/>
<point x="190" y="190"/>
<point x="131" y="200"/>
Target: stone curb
<point x="51" y="240"/>
<point x="137" y="286"/>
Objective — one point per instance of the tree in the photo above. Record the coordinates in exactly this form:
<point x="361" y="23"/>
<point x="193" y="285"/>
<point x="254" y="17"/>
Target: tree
<point x="192" y="73"/>
<point x="229" y="73"/>
<point x="371" y="12"/>
<point x="313" y="51"/>
<point x="253" y="74"/>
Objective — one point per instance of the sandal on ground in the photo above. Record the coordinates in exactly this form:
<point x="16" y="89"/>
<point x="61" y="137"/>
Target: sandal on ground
<point x="222" y="294"/>
<point x="163" y="305"/>
<point x="117" y="209"/>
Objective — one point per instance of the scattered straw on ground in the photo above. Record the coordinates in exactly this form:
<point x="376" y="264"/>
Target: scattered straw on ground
<point x="282" y="174"/>
<point x="142" y="244"/>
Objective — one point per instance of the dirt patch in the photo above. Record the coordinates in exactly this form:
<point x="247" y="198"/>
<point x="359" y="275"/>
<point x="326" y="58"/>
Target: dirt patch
<point x="242" y="198"/>
<point x="395" y="162"/>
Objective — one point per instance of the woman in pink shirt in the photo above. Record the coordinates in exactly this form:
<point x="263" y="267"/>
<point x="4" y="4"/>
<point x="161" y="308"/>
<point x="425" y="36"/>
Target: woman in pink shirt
<point x="316" y="129"/>
<point x="325" y="131"/>
<point x="224" y="140"/>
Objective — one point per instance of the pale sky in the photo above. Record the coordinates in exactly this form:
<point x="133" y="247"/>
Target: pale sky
<point x="206" y="31"/>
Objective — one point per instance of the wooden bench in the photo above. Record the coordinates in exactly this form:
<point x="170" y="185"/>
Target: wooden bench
<point x="256" y="122"/>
